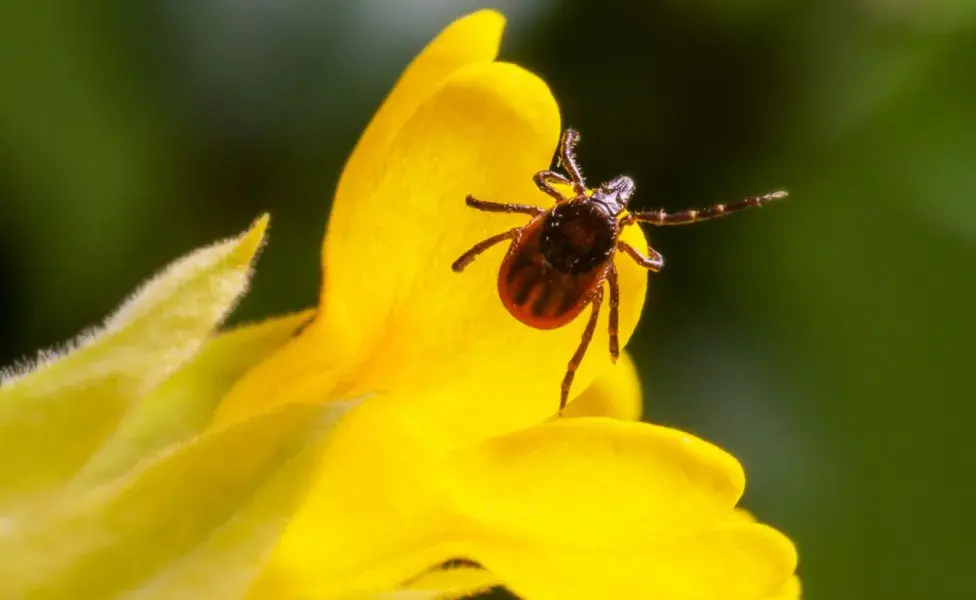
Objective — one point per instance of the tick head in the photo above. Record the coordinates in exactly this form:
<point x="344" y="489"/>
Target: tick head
<point x="615" y="194"/>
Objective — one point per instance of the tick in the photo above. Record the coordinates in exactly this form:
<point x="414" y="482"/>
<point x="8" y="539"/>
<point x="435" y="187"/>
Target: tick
<point x="558" y="262"/>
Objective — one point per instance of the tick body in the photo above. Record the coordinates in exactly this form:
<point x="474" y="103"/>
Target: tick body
<point x="559" y="262"/>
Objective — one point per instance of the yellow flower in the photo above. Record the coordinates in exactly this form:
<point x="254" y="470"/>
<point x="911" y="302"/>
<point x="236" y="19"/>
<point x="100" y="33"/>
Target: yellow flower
<point x="407" y="423"/>
<point x="394" y="319"/>
<point x="451" y="455"/>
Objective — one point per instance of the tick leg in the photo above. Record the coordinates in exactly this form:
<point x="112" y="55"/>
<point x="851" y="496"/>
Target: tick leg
<point x="544" y="180"/>
<point x="614" y="313"/>
<point x="581" y="350"/>
<point x="567" y="160"/>
<point x="654" y="262"/>
<point x="466" y="258"/>
<point x="686" y="217"/>
<point x="473" y="202"/>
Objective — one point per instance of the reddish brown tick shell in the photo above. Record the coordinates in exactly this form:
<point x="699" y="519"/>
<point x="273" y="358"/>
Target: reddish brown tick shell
<point x="557" y="263"/>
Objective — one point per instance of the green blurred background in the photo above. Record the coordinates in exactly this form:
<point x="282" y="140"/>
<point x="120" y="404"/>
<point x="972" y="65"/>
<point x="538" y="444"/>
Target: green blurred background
<point x="826" y="341"/>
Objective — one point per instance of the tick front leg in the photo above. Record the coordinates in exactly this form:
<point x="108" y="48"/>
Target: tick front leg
<point x="654" y="262"/>
<point x="466" y="258"/>
<point x="567" y="159"/>
<point x="687" y="217"/>
<point x="614" y="313"/>
<point x="497" y="207"/>
<point x="544" y="180"/>
<point x="581" y="350"/>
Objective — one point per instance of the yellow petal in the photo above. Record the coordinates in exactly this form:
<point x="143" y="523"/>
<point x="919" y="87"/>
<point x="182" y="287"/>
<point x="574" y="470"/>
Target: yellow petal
<point x="593" y="482"/>
<point x="792" y="590"/>
<point x="402" y="509"/>
<point x="375" y="518"/>
<point x="595" y="507"/>
<point x="53" y="418"/>
<point x="183" y="405"/>
<point x="471" y="39"/>
<point x="789" y="590"/>
<point x="728" y="562"/>
<point x="225" y="565"/>
<point x="615" y="393"/>
<point x="397" y="320"/>
<point x="115" y="537"/>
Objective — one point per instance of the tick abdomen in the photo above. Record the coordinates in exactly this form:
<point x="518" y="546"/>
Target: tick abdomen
<point x="545" y="295"/>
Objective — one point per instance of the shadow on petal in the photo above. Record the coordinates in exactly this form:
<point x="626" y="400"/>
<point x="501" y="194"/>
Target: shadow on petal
<point x="445" y="583"/>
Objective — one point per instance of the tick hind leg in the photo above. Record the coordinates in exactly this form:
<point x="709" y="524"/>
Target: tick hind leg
<point x="581" y="350"/>
<point x="614" y="314"/>
<point x="466" y="258"/>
